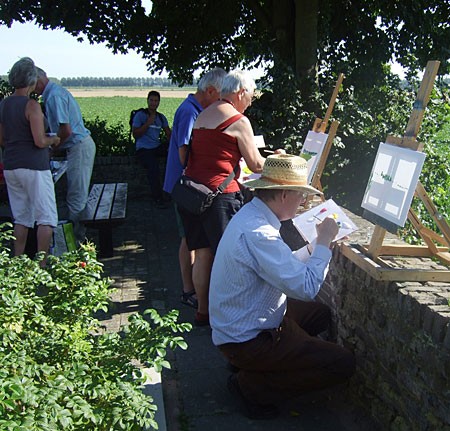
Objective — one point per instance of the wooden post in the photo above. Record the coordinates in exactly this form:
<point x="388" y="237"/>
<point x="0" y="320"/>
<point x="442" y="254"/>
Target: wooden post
<point x="319" y="124"/>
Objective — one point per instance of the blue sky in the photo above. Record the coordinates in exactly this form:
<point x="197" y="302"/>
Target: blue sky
<point x="62" y="56"/>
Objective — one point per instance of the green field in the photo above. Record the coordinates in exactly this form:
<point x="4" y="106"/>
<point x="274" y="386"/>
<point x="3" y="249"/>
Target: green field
<point x="116" y="110"/>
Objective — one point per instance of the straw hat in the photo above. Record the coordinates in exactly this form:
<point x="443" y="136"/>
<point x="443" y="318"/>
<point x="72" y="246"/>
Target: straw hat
<point x="284" y="172"/>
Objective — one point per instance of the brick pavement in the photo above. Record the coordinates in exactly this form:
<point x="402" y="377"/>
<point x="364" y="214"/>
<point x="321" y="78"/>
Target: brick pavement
<point x="145" y="272"/>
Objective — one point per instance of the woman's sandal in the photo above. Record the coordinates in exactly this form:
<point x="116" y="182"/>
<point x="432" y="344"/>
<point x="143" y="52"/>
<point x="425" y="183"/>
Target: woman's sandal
<point x="187" y="298"/>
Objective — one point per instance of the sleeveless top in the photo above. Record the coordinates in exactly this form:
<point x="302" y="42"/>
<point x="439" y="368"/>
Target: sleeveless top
<point x="19" y="148"/>
<point x="213" y="155"/>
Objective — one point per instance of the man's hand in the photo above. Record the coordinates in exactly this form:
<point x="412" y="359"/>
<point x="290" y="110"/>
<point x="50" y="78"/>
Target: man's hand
<point x="280" y="151"/>
<point x="326" y="231"/>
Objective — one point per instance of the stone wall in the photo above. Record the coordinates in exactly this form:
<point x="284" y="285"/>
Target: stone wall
<point x="125" y="169"/>
<point x="400" y="332"/>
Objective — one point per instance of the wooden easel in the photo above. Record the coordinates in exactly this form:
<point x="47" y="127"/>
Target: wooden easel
<point x="378" y="267"/>
<point x="320" y="126"/>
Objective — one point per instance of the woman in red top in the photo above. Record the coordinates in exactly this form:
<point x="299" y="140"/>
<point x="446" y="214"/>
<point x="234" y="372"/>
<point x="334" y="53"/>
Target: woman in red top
<point x="221" y="136"/>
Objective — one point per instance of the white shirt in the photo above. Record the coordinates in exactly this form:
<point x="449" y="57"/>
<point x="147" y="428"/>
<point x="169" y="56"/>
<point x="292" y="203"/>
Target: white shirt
<point x="254" y="272"/>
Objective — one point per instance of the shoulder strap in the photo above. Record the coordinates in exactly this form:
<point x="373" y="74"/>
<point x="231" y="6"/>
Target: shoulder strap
<point x="233" y="173"/>
<point x="161" y="118"/>
<point x="228" y="179"/>
<point x="229" y="122"/>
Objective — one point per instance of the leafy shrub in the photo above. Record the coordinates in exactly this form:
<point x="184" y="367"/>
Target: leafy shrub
<point x="110" y="139"/>
<point x="59" y="369"/>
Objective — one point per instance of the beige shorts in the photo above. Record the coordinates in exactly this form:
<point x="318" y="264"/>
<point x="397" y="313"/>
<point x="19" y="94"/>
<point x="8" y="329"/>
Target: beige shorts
<point x="32" y="197"/>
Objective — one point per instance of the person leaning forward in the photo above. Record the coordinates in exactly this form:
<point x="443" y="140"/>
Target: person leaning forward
<point x="65" y="119"/>
<point x="262" y="313"/>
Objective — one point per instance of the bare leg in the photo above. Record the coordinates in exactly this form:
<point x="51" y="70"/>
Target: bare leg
<point x="201" y="272"/>
<point x="44" y="236"/>
<point x="186" y="259"/>
<point x="21" y="234"/>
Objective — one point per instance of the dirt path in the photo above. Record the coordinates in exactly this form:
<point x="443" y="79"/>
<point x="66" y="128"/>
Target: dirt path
<point x="132" y="92"/>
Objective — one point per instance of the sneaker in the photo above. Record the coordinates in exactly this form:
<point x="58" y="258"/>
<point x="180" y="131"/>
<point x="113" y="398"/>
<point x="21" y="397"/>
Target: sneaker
<point x="201" y="319"/>
<point x="251" y="409"/>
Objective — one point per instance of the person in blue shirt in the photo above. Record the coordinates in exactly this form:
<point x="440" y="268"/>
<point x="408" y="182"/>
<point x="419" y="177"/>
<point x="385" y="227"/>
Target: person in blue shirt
<point x="146" y="128"/>
<point x="208" y="92"/>
<point x="64" y="118"/>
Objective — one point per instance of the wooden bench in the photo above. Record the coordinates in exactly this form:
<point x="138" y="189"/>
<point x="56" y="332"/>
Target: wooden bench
<point x="105" y="209"/>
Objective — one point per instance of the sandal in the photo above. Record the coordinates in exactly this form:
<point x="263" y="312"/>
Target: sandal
<point x="187" y="298"/>
<point x="201" y="319"/>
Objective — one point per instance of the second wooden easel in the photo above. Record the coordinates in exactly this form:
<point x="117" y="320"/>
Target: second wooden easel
<point x="378" y="267"/>
<point x="320" y="126"/>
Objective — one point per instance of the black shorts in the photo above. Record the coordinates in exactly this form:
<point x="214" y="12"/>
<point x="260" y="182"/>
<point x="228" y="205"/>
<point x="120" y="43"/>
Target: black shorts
<point x="205" y="230"/>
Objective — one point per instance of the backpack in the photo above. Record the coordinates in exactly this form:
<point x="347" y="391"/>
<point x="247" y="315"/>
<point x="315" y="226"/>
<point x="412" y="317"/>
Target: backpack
<point x="132" y="115"/>
<point x="164" y="144"/>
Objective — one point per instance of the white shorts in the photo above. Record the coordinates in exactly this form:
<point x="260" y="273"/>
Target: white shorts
<point x="32" y="197"/>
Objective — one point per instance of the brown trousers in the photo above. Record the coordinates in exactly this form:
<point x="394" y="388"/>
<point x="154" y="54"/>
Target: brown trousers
<point x="289" y="361"/>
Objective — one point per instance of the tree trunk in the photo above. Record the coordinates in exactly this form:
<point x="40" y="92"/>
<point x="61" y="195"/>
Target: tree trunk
<point x="284" y="30"/>
<point x="305" y="43"/>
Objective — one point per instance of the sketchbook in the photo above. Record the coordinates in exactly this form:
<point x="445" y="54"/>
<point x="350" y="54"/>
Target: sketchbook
<point x="306" y="222"/>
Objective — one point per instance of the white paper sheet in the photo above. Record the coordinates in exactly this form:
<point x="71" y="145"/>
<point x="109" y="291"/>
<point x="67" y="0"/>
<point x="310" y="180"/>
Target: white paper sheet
<point x="306" y="222"/>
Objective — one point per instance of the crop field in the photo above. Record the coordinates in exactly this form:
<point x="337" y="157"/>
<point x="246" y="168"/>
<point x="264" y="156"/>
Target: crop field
<point x="116" y="110"/>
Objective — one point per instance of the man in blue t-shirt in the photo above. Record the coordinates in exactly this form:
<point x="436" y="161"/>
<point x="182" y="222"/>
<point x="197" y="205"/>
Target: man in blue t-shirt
<point x="146" y="128"/>
<point x="208" y="91"/>
<point x="65" y="119"/>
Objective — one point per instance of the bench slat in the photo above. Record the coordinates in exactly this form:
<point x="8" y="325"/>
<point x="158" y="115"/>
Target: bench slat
<point x="106" y="201"/>
<point x="120" y="201"/>
<point x="91" y="206"/>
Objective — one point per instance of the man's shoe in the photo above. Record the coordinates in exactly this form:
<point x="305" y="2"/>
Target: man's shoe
<point x="232" y="368"/>
<point x="251" y="409"/>
<point x="160" y="204"/>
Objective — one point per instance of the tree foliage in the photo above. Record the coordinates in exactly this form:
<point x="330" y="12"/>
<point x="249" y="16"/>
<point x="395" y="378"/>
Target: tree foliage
<point x="355" y="37"/>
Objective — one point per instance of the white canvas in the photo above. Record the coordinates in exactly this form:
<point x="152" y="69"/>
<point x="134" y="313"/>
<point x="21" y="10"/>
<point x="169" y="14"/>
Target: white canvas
<point x="392" y="182"/>
<point x="259" y="141"/>
<point x="312" y="150"/>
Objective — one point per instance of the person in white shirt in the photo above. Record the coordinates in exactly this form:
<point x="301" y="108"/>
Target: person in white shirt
<point x="262" y="313"/>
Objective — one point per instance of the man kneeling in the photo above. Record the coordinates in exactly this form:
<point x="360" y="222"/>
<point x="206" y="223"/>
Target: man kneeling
<point x="259" y="318"/>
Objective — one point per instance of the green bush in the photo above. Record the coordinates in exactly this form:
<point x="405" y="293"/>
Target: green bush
<point x="59" y="368"/>
<point x="110" y="139"/>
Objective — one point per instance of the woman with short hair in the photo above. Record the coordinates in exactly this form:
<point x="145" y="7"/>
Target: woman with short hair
<point x="26" y="160"/>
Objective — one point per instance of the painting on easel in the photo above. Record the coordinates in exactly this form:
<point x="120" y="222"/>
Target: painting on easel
<point x="312" y="151"/>
<point x="392" y="183"/>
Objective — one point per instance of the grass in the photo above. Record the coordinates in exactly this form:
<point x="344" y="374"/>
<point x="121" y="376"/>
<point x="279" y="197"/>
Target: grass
<point x="116" y="110"/>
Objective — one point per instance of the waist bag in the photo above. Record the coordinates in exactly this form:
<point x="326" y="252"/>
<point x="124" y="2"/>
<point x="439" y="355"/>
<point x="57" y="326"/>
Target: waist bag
<point x="195" y="197"/>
